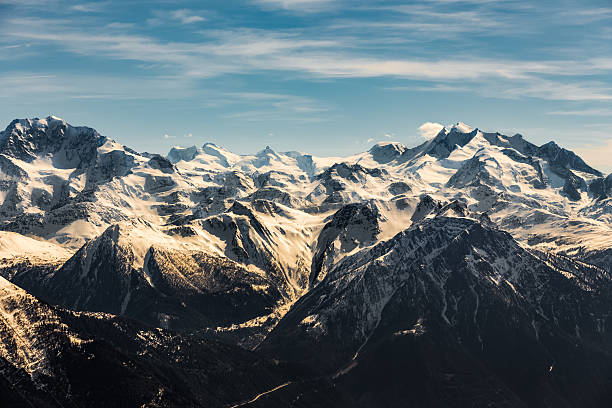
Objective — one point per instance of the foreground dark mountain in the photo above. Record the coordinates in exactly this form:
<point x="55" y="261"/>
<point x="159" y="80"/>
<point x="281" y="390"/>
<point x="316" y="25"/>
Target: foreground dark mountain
<point x="452" y="312"/>
<point x="472" y="270"/>
<point x="51" y="357"/>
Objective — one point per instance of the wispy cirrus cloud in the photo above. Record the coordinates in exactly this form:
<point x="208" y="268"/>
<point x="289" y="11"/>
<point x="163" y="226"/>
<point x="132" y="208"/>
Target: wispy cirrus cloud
<point x="275" y="106"/>
<point x="92" y="7"/>
<point x="297" y="5"/>
<point x="186" y="16"/>
<point x="180" y="16"/>
<point x="587" y="15"/>
<point x="583" y="112"/>
<point x="431" y="88"/>
<point x="223" y="52"/>
<point x="326" y="55"/>
<point x="49" y="87"/>
<point x="248" y="106"/>
<point x="559" y="90"/>
<point x="26" y="2"/>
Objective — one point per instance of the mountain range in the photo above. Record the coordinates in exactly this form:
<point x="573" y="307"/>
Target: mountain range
<point x="472" y="270"/>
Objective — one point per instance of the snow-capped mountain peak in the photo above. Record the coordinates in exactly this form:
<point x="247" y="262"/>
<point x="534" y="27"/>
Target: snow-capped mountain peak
<point x="459" y="127"/>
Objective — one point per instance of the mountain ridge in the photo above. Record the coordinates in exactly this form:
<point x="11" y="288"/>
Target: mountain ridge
<point x="330" y="263"/>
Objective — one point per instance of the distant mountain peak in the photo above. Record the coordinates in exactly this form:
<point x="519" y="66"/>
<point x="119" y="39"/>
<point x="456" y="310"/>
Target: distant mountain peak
<point x="561" y="158"/>
<point x="178" y="153"/>
<point x="460" y="127"/>
<point x="384" y="152"/>
<point x="265" y="151"/>
<point x="27" y="139"/>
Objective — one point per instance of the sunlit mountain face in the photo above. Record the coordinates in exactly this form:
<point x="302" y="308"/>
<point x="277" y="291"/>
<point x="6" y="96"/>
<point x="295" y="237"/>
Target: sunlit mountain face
<point x="471" y="269"/>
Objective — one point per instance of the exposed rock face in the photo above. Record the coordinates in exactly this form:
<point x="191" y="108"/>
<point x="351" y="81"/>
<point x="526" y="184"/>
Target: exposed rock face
<point x="425" y="206"/>
<point x="386" y="152"/>
<point x="472" y="173"/>
<point x="573" y="185"/>
<point x="108" y="166"/>
<point x="70" y="147"/>
<point x="274" y="194"/>
<point x="449" y="297"/>
<point x="352" y="226"/>
<point x="601" y="187"/>
<point x="158" y="184"/>
<point x="446" y="141"/>
<point x="10" y="170"/>
<point x="177" y="154"/>
<point x="561" y="158"/>
<point x="161" y="163"/>
<point x="399" y="187"/>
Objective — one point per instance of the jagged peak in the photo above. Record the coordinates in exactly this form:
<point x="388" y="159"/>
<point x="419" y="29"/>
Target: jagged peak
<point x="448" y="139"/>
<point x="384" y="152"/>
<point x="460" y="127"/>
<point x="395" y="145"/>
<point x="560" y="157"/>
<point x="266" y="151"/>
<point x="353" y="210"/>
<point x="213" y="148"/>
<point x="550" y="145"/>
<point x="71" y="147"/>
<point x="23" y="125"/>
<point x="176" y="147"/>
<point x="178" y="153"/>
<point x="348" y="170"/>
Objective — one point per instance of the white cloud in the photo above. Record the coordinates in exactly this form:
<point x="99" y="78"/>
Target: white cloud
<point x="16" y="86"/>
<point x="272" y="106"/>
<point x="556" y="90"/>
<point x="185" y="16"/>
<point x="238" y="51"/>
<point x="429" y="130"/>
<point x="94" y="7"/>
<point x="583" y="112"/>
<point x="27" y="2"/>
<point x="293" y="51"/>
<point x="118" y="25"/>
<point x="431" y="88"/>
<point x="298" y="5"/>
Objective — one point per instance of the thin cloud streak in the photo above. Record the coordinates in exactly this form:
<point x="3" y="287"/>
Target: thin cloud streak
<point x="272" y="106"/>
<point x="313" y="56"/>
<point x="245" y="51"/>
<point x="53" y="87"/>
<point x="93" y="7"/>
<point x="186" y="16"/>
<point x="310" y="6"/>
<point x="584" y="112"/>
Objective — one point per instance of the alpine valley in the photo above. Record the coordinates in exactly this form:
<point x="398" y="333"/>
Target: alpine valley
<point x="472" y="270"/>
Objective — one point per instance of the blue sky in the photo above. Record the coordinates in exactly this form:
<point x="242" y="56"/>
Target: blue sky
<point x="322" y="76"/>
